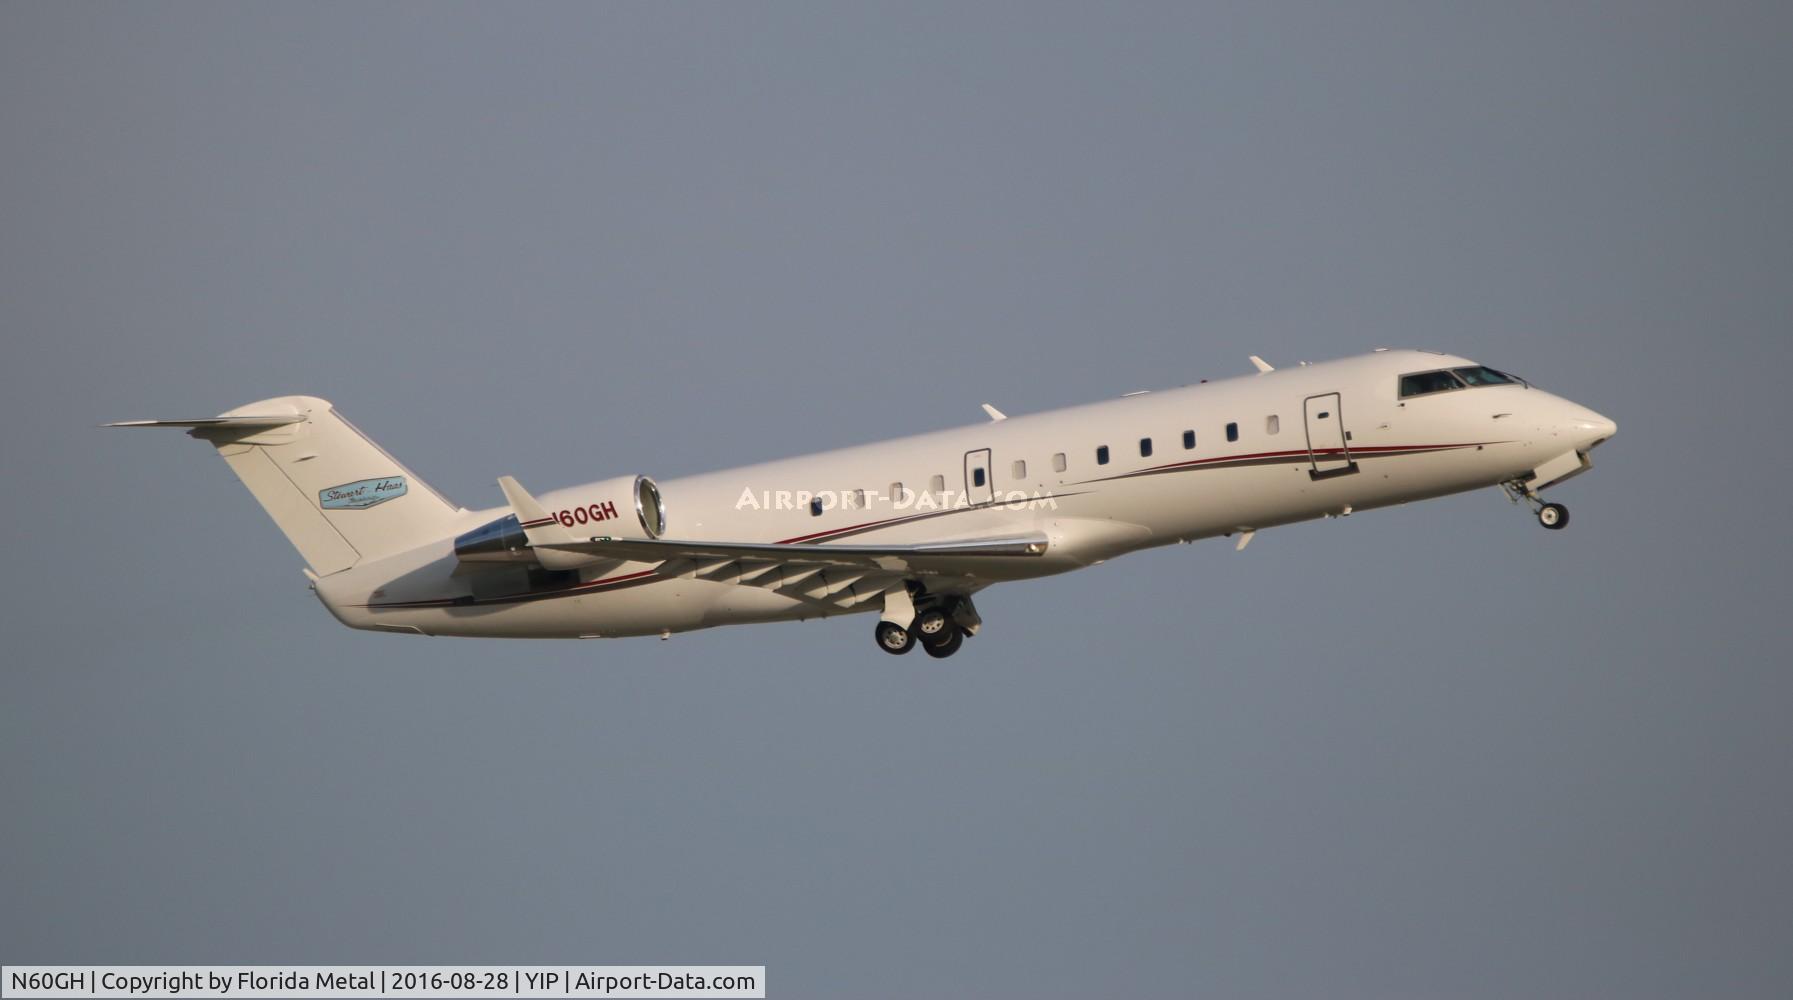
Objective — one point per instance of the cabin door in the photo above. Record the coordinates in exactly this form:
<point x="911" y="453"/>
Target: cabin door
<point x="1328" y="443"/>
<point x="978" y="487"/>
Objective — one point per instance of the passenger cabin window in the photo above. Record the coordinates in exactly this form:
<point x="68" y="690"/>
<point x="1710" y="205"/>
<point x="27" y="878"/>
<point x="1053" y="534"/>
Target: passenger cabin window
<point x="1102" y="455"/>
<point x="1188" y="440"/>
<point x="815" y="507"/>
<point x="937" y="484"/>
<point x="897" y="494"/>
<point x="859" y="495"/>
<point x="1019" y="469"/>
<point x="1232" y="432"/>
<point x="977" y="477"/>
<point x="1145" y="447"/>
<point x="1058" y="462"/>
<point x="1272" y="424"/>
<point x="1426" y="383"/>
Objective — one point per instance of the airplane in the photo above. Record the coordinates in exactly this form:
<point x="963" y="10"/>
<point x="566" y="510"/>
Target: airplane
<point x="911" y="528"/>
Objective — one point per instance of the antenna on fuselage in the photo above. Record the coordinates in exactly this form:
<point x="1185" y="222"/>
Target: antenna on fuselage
<point x="1264" y="367"/>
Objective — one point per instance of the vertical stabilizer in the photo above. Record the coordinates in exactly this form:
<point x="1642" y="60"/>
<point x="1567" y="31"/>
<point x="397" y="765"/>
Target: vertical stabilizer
<point x="336" y="495"/>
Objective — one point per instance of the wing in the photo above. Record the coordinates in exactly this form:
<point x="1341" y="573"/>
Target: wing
<point x="828" y="576"/>
<point x="831" y="577"/>
<point x="929" y="558"/>
<point x="957" y="556"/>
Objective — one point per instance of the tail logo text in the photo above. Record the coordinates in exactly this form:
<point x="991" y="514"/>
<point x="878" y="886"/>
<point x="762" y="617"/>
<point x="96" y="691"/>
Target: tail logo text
<point x="362" y="495"/>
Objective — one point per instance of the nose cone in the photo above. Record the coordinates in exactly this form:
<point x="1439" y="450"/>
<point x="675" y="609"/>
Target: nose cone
<point x="1591" y="428"/>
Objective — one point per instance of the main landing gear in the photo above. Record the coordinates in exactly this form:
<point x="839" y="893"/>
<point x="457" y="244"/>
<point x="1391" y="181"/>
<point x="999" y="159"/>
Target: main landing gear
<point x="935" y="628"/>
<point x="945" y="647"/>
<point x="1551" y="515"/>
<point x="893" y="638"/>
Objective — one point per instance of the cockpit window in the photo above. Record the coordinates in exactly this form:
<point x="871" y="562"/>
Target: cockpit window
<point x="1425" y="383"/>
<point x="1479" y="375"/>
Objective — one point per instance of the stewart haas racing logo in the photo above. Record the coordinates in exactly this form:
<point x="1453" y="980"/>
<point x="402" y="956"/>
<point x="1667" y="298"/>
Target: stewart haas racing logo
<point x="362" y="495"/>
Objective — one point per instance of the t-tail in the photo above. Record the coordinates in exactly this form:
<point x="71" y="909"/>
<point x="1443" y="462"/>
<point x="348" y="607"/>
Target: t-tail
<point x="338" y="496"/>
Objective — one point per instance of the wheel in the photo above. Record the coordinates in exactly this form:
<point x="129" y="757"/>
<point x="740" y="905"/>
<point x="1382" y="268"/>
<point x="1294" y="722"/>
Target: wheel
<point x="933" y="627"/>
<point x="1553" y="516"/>
<point x="893" y="638"/>
<point x="946" y="647"/>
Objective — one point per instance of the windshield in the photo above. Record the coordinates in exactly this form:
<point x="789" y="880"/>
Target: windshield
<point x="1448" y="379"/>
<point x="1479" y="375"/>
<point x="1423" y="383"/>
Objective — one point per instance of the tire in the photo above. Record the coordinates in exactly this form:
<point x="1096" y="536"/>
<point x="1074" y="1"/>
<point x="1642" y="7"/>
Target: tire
<point x="893" y="638"/>
<point x="933" y="627"/>
<point x="1553" y="516"/>
<point x="948" y="647"/>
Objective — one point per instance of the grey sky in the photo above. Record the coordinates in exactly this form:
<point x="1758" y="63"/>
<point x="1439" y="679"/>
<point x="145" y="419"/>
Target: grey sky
<point x="1425" y="752"/>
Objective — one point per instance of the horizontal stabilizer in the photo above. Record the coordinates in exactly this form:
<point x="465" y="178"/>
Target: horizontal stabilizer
<point x="245" y="422"/>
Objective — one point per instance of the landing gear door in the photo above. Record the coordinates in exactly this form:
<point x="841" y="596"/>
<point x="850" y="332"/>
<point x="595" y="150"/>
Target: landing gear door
<point x="1328" y="445"/>
<point x="978" y="487"/>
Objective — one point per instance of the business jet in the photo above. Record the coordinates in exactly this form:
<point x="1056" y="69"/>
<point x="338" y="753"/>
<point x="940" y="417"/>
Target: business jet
<point x="910" y="528"/>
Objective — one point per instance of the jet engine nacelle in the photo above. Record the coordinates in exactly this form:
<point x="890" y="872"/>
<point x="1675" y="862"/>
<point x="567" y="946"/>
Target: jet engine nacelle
<point x="623" y="507"/>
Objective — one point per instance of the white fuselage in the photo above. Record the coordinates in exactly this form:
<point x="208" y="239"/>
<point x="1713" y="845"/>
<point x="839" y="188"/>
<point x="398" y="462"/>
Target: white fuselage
<point x="1310" y="441"/>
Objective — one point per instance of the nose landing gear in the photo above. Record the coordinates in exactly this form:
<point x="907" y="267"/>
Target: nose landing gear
<point x="1554" y="516"/>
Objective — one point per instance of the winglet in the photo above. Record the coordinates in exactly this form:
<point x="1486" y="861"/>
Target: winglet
<point x="1262" y="365"/>
<point x="995" y="414"/>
